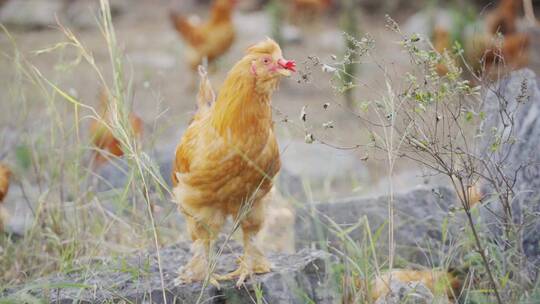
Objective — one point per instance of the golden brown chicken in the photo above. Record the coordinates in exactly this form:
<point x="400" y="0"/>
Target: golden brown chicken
<point x="503" y="18"/>
<point x="211" y="39"/>
<point x="432" y="279"/>
<point x="227" y="158"/>
<point x="5" y="175"/>
<point x="103" y="139"/>
<point x="437" y="281"/>
<point x="512" y="52"/>
<point x="441" y="43"/>
<point x="486" y="53"/>
<point x="495" y="55"/>
<point x="307" y="10"/>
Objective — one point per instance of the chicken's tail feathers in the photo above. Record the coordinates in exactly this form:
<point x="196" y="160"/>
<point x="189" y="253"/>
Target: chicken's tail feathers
<point x="205" y="96"/>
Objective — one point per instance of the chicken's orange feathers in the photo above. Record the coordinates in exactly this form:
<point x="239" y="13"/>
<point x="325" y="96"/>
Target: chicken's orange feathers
<point x="5" y="175"/>
<point x="210" y="39"/>
<point x="102" y="136"/>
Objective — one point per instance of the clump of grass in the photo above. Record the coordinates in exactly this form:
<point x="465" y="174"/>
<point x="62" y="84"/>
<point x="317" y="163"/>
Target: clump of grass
<point x="435" y="122"/>
<point x="72" y="222"/>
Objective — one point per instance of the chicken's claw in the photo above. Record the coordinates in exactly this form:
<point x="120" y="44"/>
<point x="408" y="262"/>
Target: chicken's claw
<point x="184" y="278"/>
<point x="196" y="270"/>
<point x="247" y="270"/>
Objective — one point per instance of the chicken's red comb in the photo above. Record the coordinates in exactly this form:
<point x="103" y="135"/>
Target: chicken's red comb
<point x="288" y="64"/>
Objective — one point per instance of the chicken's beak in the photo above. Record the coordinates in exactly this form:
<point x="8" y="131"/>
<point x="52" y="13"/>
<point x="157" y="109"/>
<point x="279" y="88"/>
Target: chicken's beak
<point x="286" y="67"/>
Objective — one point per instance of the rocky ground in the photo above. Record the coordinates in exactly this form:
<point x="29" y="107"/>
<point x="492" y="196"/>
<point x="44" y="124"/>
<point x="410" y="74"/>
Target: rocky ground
<point x="137" y="279"/>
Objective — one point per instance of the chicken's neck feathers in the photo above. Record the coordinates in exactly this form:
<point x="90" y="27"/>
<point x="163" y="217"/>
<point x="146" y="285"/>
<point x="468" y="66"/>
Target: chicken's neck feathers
<point x="240" y="108"/>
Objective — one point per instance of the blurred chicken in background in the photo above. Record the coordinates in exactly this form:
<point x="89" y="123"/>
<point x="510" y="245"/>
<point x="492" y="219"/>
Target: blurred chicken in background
<point x="500" y="48"/>
<point x="442" y="43"/>
<point x="498" y="54"/>
<point x="5" y="175"/>
<point x="432" y="279"/>
<point x="308" y="10"/>
<point x="503" y="18"/>
<point x="102" y="137"/>
<point x="208" y="40"/>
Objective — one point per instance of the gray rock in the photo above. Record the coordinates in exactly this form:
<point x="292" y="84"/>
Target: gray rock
<point x="30" y="13"/>
<point x="519" y="94"/>
<point x="83" y="13"/>
<point x="406" y="293"/>
<point x="419" y="216"/>
<point x="294" y="279"/>
<point x="38" y="14"/>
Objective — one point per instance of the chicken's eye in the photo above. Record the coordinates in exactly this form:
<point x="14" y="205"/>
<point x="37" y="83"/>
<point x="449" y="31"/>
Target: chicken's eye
<point x="266" y="60"/>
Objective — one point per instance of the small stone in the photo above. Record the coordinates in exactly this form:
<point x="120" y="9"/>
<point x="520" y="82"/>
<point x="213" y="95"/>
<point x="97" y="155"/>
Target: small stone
<point x="30" y="14"/>
<point x="303" y="114"/>
<point x="328" y="124"/>
<point x="309" y="139"/>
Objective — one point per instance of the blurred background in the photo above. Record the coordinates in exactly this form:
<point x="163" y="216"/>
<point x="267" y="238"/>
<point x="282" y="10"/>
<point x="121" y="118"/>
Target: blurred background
<point x="158" y="60"/>
<point x="161" y="43"/>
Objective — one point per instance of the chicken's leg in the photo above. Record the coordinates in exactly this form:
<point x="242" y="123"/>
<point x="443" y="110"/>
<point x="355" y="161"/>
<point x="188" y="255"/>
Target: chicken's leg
<point x="253" y="261"/>
<point x="204" y="231"/>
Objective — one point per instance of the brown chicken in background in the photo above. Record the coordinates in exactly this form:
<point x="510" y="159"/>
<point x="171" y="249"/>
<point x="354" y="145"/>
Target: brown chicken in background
<point x="5" y="175"/>
<point x="208" y="40"/>
<point x="103" y="139"/>
<point x="503" y="18"/>
<point x="498" y="55"/>
<point x="500" y="49"/>
<point x="432" y="279"/>
<point x="512" y="52"/>
<point x="441" y="43"/>
<point x="307" y="10"/>
<point x="227" y="158"/>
